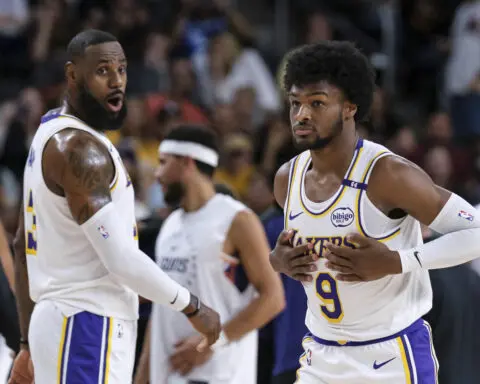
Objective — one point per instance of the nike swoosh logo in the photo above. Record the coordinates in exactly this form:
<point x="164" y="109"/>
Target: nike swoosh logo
<point x="418" y="259"/>
<point x="378" y="366"/>
<point x="291" y="216"/>
<point x="175" y="299"/>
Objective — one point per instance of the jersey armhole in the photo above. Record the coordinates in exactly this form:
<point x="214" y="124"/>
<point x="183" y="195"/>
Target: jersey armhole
<point x="291" y="174"/>
<point x="362" y="197"/>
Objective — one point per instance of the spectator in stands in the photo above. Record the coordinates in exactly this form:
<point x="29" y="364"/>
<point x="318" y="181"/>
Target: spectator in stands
<point x="462" y="81"/>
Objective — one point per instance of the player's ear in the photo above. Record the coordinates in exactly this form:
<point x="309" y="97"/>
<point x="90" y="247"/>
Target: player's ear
<point x="349" y="111"/>
<point x="70" y="72"/>
<point x="189" y="164"/>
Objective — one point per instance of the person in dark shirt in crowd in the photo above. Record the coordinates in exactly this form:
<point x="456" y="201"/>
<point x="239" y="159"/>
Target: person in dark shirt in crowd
<point x="280" y="341"/>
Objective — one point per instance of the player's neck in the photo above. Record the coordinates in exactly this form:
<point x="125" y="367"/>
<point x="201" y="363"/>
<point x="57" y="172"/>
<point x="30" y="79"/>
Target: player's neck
<point x="336" y="157"/>
<point x="199" y="192"/>
<point x="72" y="108"/>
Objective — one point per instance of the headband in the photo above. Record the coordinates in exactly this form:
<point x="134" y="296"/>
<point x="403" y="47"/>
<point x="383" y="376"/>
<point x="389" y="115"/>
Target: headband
<point x="190" y="149"/>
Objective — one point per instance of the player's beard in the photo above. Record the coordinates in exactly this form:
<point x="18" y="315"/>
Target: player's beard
<point x="96" y="116"/>
<point x="174" y="194"/>
<point x="321" y="142"/>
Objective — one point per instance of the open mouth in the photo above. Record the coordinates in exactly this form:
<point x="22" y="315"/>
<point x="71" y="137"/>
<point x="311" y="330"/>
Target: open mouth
<point x="115" y="103"/>
<point x="303" y="132"/>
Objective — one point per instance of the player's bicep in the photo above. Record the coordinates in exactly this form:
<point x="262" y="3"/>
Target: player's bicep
<point x="403" y="185"/>
<point x="84" y="172"/>
<point x="280" y="184"/>
<point x="248" y="237"/>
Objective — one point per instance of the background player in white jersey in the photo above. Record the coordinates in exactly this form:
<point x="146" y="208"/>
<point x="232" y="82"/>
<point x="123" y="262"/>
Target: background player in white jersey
<point x="352" y="211"/>
<point x="216" y="247"/>
<point x="77" y="237"/>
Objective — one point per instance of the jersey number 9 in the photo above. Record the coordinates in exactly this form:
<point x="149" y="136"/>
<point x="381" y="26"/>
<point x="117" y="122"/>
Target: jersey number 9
<point x="326" y="287"/>
<point x="31" y="240"/>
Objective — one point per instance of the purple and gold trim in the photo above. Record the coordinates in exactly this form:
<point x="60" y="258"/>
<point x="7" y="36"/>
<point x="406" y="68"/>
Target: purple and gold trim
<point x="339" y="194"/>
<point x="291" y="176"/>
<point x="358" y="207"/>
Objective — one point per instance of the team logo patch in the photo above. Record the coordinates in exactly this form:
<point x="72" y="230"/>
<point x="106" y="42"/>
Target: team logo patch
<point x="308" y="354"/>
<point x="465" y="215"/>
<point x="103" y="232"/>
<point x="342" y="217"/>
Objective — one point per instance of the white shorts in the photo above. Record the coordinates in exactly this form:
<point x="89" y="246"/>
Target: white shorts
<point x="81" y="349"/>
<point x="405" y="358"/>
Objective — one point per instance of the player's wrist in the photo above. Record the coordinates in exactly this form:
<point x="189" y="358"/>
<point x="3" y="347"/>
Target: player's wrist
<point x="409" y="260"/>
<point x="24" y="345"/>
<point x="395" y="263"/>
<point x="193" y="306"/>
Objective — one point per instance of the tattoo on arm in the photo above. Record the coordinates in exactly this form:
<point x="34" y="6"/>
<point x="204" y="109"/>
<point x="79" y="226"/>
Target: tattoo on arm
<point x="86" y="174"/>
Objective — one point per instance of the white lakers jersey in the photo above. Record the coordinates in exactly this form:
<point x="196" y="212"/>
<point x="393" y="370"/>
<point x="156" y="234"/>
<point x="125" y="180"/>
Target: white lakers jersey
<point x="362" y="311"/>
<point x="62" y="264"/>
<point x="189" y="249"/>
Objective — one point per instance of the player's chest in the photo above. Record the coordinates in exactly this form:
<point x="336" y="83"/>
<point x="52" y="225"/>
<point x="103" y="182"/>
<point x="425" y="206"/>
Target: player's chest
<point x="330" y="225"/>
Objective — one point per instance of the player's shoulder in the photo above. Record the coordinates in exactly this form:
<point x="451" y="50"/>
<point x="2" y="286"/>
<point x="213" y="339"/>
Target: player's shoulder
<point x="229" y="202"/>
<point x="281" y="180"/>
<point x="71" y="140"/>
<point x="392" y="173"/>
<point x="372" y="149"/>
<point x="172" y="218"/>
<point x="71" y="155"/>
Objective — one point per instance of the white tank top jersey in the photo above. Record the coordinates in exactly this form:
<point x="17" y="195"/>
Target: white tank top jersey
<point x="342" y="311"/>
<point x="62" y="264"/>
<point x="189" y="249"/>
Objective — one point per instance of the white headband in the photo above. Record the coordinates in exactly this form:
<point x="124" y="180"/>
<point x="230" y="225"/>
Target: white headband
<point x="187" y="148"/>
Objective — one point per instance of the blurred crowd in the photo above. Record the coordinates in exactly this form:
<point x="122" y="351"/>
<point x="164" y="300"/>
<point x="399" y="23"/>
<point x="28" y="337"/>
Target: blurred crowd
<point x="218" y="63"/>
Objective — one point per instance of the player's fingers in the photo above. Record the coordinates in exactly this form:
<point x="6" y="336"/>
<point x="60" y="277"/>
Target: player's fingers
<point x="204" y="343"/>
<point x="348" y="277"/>
<point x="338" y="260"/>
<point x="303" y="260"/>
<point x="178" y="344"/>
<point x="345" y="252"/>
<point x="303" y="277"/>
<point x="301" y="250"/>
<point x="304" y="269"/>
<point x="337" y="268"/>
<point x="177" y="359"/>
<point x="185" y="368"/>
<point x="285" y="237"/>
<point x="358" y="240"/>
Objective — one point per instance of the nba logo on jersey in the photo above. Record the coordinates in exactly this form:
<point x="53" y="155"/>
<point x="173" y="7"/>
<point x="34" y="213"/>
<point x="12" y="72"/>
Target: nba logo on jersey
<point x="103" y="232"/>
<point x="342" y="217"/>
<point x="308" y="355"/>
<point x="465" y="215"/>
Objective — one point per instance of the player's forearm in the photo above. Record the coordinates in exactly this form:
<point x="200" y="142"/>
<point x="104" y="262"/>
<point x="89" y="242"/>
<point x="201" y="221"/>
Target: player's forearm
<point x="460" y="244"/>
<point x="128" y="264"/>
<point x="24" y="303"/>
<point x="255" y="315"/>
<point x="447" y="251"/>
